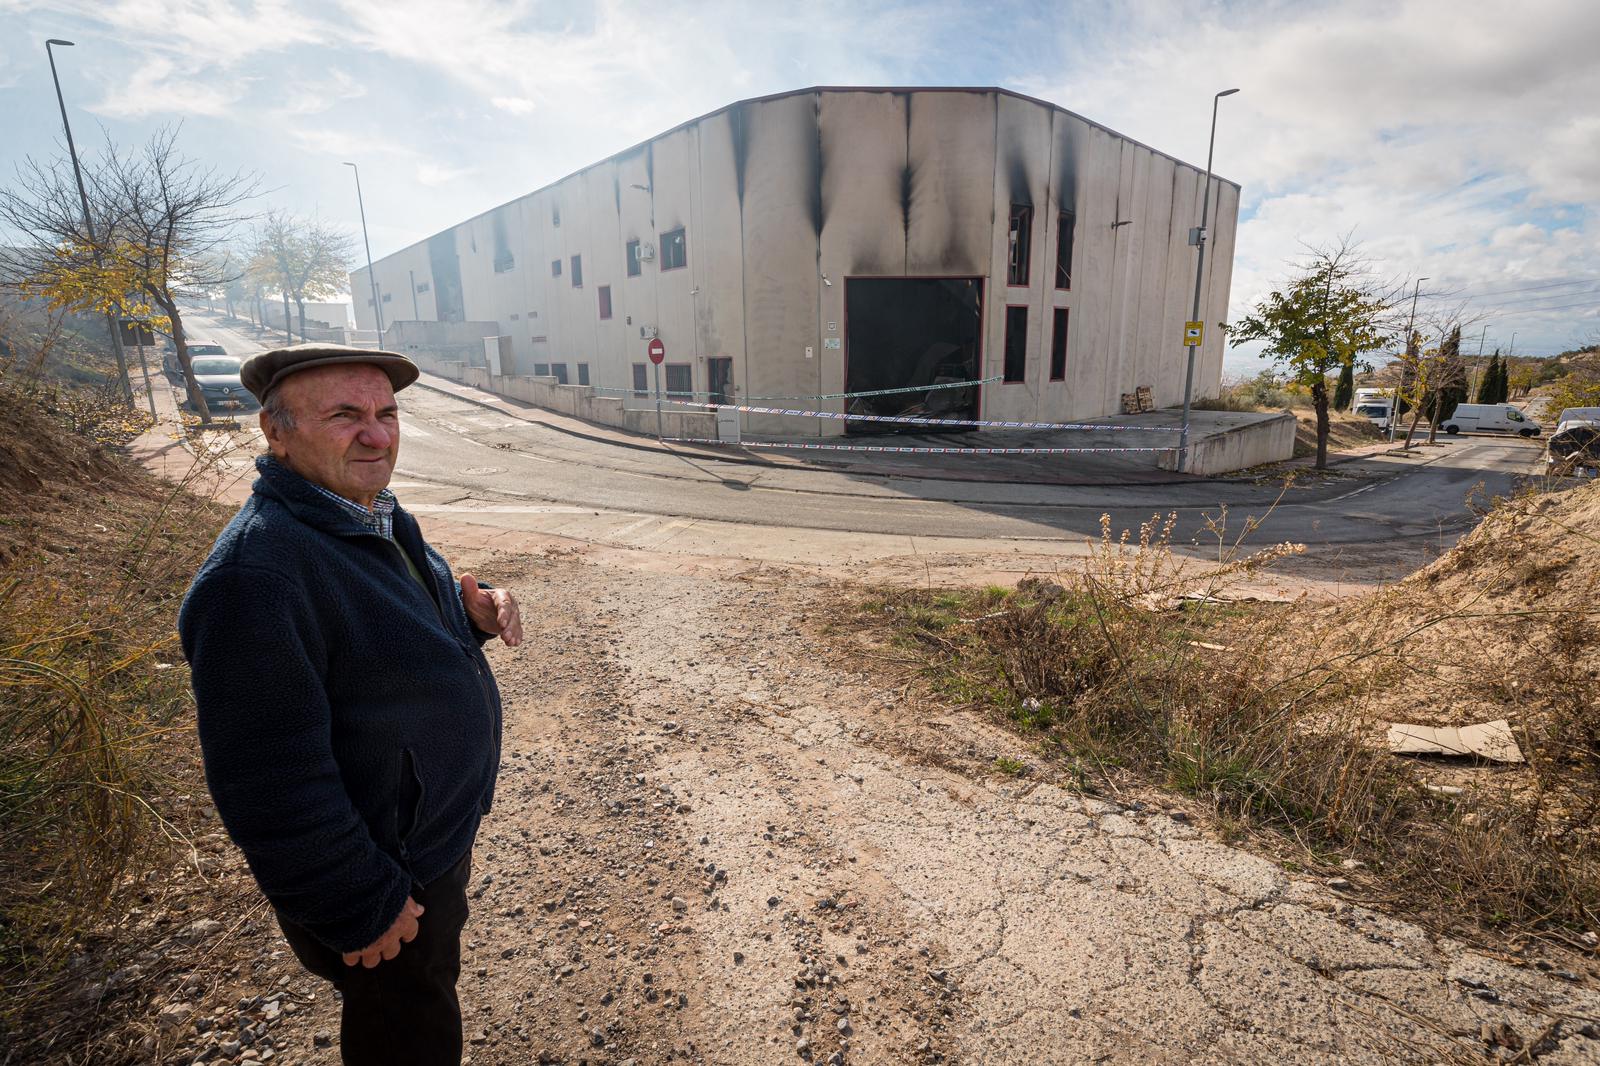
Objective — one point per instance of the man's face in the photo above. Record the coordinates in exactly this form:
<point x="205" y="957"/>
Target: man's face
<point x="346" y="434"/>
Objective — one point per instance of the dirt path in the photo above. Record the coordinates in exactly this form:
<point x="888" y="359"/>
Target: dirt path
<point x="716" y="842"/>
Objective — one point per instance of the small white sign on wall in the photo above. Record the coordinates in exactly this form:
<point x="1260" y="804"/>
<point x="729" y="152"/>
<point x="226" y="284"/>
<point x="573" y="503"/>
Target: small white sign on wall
<point x="811" y="352"/>
<point x="831" y="343"/>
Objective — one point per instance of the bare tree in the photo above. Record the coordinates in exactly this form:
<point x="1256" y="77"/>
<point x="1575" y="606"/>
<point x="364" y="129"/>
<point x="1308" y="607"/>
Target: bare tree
<point x="161" y="220"/>
<point x="171" y="219"/>
<point x="304" y="258"/>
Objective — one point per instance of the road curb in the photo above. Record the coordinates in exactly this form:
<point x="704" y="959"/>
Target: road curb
<point x="748" y="460"/>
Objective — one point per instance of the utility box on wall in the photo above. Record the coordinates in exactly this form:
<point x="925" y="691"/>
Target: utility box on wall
<point x="498" y="357"/>
<point x="728" y="424"/>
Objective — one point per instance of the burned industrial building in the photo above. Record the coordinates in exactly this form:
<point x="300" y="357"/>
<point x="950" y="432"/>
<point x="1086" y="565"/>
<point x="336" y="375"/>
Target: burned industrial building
<point x="841" y="240"/>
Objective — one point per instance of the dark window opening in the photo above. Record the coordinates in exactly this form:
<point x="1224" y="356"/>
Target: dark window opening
<point x="541" y="370"/>
<point x="504" y="263"/>
<point x="633" y="259"/>
<point x="719" y="378"/>
<point x="559" y="372"/>
<point x="674" y="249"/>
<point x="1016" y="368"/>
<point x="583" y="373"/>
<point x="641" y="380"/>
<point x="1058" y="345"/>
<point x="423" y="286"/>
<point x="555" y="214"/>
<point x="387" y="297"/>
<point x="1064" y="250"/>
<point x="605" y="301"/>
<point x="1021" y="244"/>
<point x="680" y="377"/>
<point x="555" y="268"/>
<point x="515" y="316"/>
<point x="577" y="272"/>
<point x="912" y="331"/>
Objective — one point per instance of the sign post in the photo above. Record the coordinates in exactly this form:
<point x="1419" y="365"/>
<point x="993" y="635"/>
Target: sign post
<point x="657" y="352"/>
<point x="138" y="334"/>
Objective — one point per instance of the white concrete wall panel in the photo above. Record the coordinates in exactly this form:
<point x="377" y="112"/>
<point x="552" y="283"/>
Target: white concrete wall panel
<point x="949" y="225"/>
<point x="718" y="233"/>
<point x="782" y="168"/>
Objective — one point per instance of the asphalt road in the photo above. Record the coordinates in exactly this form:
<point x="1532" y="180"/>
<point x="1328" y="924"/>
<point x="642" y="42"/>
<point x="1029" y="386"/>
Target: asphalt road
<point x="447" y="441"/>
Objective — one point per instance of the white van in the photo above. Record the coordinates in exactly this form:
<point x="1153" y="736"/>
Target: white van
<point x="1490" y="418"/>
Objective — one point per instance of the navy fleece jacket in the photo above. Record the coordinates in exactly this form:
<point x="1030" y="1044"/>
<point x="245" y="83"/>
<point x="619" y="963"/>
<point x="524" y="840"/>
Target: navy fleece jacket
<point x="349" y="721"/>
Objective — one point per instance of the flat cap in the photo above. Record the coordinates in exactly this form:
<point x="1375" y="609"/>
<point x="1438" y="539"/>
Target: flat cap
<point x="265" y="372"/>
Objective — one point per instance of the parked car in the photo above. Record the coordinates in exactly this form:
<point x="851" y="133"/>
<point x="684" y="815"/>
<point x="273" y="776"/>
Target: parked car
<point x="218" y="378"/>
<point x="198" y="350"/>
<point x="1491" y="418"/>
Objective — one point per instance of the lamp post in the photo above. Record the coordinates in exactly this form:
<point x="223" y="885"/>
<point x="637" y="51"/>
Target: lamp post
<point x="88" y="219"/>
<point x="377" y="305"/>
<point x="1394" y="408"/>
<point x="1199" y="240"/>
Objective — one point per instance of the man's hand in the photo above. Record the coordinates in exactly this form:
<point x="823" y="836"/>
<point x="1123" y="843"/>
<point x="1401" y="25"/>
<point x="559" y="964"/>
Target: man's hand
<point x="387" y="946"/>
<point x="492" y="610"/>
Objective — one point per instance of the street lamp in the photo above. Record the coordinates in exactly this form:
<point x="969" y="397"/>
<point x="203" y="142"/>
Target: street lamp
<point x="88" y="219"/>
<point x="1199" y="240"/>
<point x="377" y="305"/>
<point x="1394" y="408"/>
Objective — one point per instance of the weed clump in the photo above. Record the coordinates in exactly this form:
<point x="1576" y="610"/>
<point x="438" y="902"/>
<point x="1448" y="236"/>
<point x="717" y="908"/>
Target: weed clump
<point x="1274" y="715"/>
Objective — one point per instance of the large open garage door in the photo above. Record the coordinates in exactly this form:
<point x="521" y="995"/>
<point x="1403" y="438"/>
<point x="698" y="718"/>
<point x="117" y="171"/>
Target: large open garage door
<point x="912" y="331"/>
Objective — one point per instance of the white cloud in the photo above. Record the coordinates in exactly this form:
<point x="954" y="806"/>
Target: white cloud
<point x="1437" y="130"/>
<point x="158" y="87"/>
<point x="313" y="98"/>
<point x="434" y="175"/>
<point x="516" y="105"/>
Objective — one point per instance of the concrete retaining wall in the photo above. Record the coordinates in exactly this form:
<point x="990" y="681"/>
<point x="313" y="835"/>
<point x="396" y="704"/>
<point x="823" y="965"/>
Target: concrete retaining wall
<point x="579" y="401"/>
<point x="1267" y="440"/>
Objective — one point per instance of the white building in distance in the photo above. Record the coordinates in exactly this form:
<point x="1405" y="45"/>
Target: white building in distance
<point x="835" y="240"/>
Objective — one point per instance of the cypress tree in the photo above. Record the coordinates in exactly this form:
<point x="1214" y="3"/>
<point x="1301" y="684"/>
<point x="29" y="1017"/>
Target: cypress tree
<point x="1489" y="384"/>
<point x="1345" y="391"/>
<point x="1502" y="391"/>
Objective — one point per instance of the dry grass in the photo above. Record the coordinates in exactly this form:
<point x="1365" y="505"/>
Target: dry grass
<point x="1273" y="714"/>
<point x="94" y="706"/>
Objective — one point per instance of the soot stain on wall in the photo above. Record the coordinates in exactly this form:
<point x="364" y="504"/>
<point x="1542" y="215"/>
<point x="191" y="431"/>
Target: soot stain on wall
<point x="1066" y="173"/>
<point x="814" y="163"/>
<point x="446" y="268"/>
<point x="739" y="134"/>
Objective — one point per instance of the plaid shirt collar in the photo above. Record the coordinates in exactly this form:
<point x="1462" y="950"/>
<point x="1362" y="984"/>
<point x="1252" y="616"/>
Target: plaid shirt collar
<point x="378" y="519"/>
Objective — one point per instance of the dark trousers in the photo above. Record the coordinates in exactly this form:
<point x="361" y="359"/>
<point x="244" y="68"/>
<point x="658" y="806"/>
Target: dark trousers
<point x="404" y="1011"/>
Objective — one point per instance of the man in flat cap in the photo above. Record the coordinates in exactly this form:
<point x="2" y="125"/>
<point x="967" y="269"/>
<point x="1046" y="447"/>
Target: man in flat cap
<point x="349" y="721"/>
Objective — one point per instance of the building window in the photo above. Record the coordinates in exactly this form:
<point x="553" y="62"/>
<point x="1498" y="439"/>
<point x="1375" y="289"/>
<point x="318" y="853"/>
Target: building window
<point x="1016" y="368"/>
<point x="605" y="301"/>
<point x="1058" y="346"/>
<point x="583" y="373"/>
<point x="1064" y="250"/>
<point x="641" y="380"/>
<point x="387" y="296"/>
<point x="633" y="259"/>
<point x="504" y="262"/>
<point x="555" y="268"/>
<point x="559" y="372"/>
<point x="577" y="272"/>
<point x="680" y="378"/>
<point x="1021" y="244"/>
<point x="674" y="250"/>
<point x="555" y="214"/>
<point x="541" y="370"/>
<point x="423" y="286"/>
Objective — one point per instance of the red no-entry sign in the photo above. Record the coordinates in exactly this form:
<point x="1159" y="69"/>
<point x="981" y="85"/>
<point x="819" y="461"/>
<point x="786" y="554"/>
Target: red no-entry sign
<point x="656" y="350"/>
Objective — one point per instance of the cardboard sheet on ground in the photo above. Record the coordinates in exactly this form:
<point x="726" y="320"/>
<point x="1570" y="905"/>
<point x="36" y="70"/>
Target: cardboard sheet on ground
<point x="1488" y="740"/>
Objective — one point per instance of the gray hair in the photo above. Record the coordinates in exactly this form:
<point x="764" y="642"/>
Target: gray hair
<point x="277" y="411"/>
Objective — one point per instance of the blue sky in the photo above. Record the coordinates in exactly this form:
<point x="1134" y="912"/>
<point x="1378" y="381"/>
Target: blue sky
<point x="1456" y="139"/>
